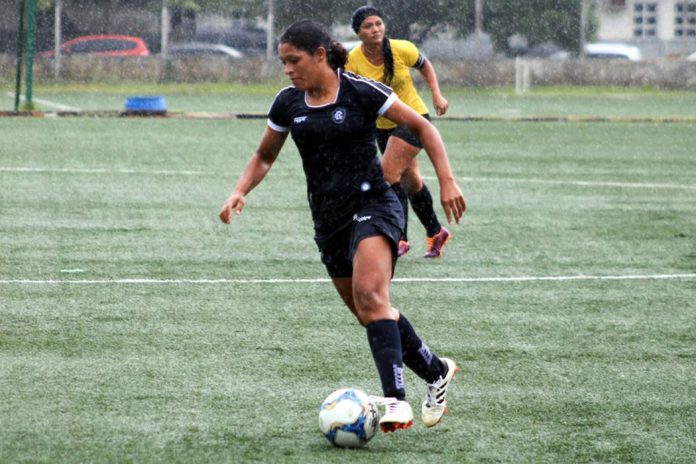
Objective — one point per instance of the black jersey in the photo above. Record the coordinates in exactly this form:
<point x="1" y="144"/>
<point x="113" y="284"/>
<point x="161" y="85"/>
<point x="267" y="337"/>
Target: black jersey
<point x="337" y="144"/>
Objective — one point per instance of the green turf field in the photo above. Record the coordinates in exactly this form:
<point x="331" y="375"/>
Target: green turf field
<point x="134" y="327"/>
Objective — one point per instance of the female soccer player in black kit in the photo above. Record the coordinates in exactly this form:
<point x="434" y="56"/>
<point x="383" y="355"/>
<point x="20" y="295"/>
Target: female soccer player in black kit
<point x="358" y="219"/>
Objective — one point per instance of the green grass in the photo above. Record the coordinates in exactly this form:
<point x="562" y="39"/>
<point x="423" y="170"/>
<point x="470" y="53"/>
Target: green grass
<point x="187" y="371"/>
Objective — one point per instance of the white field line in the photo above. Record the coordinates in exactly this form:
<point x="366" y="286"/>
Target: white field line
<point x="569" y="278"/>
<point x="101" y="171"/>
<point x="41" y="101"/>
<point x="581" y="183"/>
<point x="474" y="179"/>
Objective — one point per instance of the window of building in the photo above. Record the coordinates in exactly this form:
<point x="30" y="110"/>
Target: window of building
<point x="685" y="19"/>
<point x="645" y="19"/>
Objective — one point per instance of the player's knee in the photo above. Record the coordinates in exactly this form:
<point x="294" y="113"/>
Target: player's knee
<point x="369" y="300"/>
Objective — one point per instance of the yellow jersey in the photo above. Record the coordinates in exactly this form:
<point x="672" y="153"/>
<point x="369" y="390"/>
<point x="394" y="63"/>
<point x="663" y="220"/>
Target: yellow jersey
<point x="406" y="56"/>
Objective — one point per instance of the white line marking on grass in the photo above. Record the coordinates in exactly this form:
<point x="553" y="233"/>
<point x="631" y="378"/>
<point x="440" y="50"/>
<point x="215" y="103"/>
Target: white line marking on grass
<point x="326" y="280"/>
<point x="41" y="101"/>
<point x="100" y="171"/>
<point x="582" y="183"/>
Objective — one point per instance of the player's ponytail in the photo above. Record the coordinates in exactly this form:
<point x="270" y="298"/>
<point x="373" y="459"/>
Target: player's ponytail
<point x="388" y="61"/>
<point x="337" y="55"/>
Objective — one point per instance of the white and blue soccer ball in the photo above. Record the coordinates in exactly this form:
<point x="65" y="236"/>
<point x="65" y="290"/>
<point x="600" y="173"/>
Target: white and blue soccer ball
<point x="348" y="418"/>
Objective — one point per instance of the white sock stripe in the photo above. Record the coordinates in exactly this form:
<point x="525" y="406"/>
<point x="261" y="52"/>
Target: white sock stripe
<point x="399" y="377"/>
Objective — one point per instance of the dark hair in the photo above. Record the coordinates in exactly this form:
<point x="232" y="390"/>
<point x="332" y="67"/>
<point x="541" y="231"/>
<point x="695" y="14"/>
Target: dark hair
<point x="309" y="35"/>
<point x="359" y="16"/>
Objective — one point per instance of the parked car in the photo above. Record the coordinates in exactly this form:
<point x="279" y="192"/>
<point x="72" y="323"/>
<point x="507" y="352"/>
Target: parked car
<point x="548" y="50"/>
<point x="103" y="45"/>
<point x="202" y="49"/>
<point x="607" y="50"/>
<point x="691" y="57"/>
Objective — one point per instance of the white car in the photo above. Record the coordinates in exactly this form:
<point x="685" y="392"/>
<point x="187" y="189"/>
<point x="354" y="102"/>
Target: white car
<point x="608" y="50"/>
<point x="691" y="57"/>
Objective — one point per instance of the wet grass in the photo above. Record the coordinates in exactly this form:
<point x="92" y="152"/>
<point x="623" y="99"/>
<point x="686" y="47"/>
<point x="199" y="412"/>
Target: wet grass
<point x="179" y="367"/>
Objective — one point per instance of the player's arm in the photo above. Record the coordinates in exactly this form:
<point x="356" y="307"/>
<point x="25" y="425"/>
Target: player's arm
<point x="450" y="195"/>
<point x="256" y="169"/>
<point x="440" y="103"/>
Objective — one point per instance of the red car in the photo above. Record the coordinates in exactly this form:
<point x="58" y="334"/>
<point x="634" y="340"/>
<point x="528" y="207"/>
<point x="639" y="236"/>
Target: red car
<point x="103" y="45"/>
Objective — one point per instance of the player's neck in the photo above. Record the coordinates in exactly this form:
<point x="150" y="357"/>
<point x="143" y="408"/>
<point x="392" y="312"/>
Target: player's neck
<point x="325" y="92"/>
<point x="373" y="53"/>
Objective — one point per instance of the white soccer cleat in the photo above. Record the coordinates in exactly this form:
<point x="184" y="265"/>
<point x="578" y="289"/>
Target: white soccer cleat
<point x="398" y="414"/>
<point x="435" y="404"/>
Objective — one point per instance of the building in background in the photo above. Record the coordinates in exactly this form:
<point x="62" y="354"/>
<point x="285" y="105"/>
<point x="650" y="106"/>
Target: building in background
<point x="660" y="28"/>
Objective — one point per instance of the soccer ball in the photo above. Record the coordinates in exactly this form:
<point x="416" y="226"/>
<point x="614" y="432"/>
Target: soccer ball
<point x="348" y="418"/>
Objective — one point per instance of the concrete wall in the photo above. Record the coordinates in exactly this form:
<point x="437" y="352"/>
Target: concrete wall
<point x="668" y="74"/>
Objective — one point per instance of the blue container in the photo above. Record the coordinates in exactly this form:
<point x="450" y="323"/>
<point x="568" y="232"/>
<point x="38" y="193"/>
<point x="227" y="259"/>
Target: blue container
<point x="155" y="104"/>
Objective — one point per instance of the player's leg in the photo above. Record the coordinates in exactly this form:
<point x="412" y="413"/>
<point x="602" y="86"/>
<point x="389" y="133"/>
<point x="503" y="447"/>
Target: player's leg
<point x="394" y="180"/>
<point x="437" y="372"/>
<point x="372" y="272"/>
<point x="397" y="158"/>
<point x="422" y="203"/>
<point x="400" y="164"/>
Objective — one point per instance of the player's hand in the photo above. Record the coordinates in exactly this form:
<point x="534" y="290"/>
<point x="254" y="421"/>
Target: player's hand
<point x="441" y="104"/>
<point x="234" y="203"/>
<point x="452" y="201"/>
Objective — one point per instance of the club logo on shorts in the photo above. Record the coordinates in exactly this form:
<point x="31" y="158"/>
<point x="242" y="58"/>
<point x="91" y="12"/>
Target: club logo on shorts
<point x="338" y="115"/>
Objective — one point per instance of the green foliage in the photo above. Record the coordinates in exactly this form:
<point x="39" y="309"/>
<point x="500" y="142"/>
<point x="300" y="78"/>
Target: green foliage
<point x="414" y="20"/>
<point x="539" y="20"/>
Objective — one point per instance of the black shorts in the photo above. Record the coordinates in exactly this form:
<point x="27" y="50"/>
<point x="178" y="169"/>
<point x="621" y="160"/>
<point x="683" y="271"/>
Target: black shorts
<point x="400" y="132"/>
<point x="382" y="216"/>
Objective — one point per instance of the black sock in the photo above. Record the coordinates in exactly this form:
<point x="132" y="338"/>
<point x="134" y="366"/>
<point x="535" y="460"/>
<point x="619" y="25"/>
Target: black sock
<point x="403" y="198"/>
<point x="422" y="203"/>
<point x="385" y="344"/>
<point x="417" y="356"/>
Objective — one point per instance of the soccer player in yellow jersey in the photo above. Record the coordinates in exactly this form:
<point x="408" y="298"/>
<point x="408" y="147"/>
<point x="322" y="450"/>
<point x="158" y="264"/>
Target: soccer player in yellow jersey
<point x="389" y="61"/>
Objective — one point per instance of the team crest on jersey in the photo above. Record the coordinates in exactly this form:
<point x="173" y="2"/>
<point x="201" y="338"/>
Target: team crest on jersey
<point x="338" y="115"/>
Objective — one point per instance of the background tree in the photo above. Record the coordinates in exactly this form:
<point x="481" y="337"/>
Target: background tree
<point x="538" y="20"/>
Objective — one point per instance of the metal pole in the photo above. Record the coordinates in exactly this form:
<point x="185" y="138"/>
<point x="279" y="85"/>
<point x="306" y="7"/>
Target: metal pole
<point x="479" y="16"/>
<point x="164" y="44"/>
<point x="583" y="26"/>
<point x="31" y="27"/>
<point x="57" y="39"/>
<point x="269" y="31"/>
<point x="20" y="55"/>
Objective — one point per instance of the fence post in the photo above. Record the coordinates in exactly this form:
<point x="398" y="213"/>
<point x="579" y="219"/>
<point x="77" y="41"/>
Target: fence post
<point x="20" y="56"/>
<point x="522" y="76"/>
<point x="31" y="26"/>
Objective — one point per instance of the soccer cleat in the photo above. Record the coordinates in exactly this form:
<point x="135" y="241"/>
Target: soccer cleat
<point x="397" y="416"/>
<point x="404" y="246"/>
<point x="435" y="404"/>
<point x="436" y="243"/>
